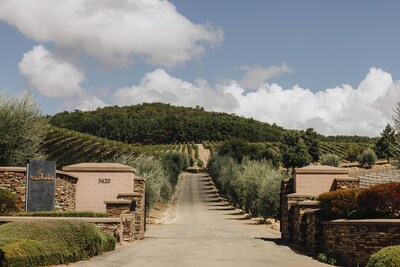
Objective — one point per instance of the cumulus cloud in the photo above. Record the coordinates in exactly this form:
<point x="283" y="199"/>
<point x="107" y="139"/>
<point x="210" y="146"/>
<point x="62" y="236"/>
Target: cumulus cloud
<point x="88" y="102"/>
<point x="363" y="110"/>
<point x="257" y="75"/>
<point x="113" y="31"/>
<point x="159" y="86"/>
<point x="52" y="77"/>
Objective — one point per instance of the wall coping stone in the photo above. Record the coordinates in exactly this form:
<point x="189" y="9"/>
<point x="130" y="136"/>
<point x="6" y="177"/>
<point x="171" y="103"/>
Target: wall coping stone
<point x="365" y="221"/>
<point x="12" y="169"/>
<point x="312" y="211"/>
<point x="23" y="169"/>
<point x="298" y="195"/>
<point x="129" y="194"/>
<point x="321" y="169"/>
<point x="307" y="203"/>
<point x="350" y="179"/>
<point x="98" y="167"/>
<point x="118" y="201"/>
<point x="37" y="218"/>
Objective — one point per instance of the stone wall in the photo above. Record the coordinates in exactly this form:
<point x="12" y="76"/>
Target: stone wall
<point x="122" y="206"/>
<point x="14" y="179"/>
<point x="350" y="241"/>
<point x="345" y="183"/>
<point x="65" y="194"/>
<point x="355" y="240"/>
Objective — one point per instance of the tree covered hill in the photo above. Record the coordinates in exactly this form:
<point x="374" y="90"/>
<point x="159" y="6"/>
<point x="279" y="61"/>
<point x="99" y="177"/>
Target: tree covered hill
<point x="158" y="123"/>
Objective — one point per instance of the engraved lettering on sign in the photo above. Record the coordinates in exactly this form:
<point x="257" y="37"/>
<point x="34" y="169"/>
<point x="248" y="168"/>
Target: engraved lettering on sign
<point x="104" y="180"/>
<point x="42" y="177"/>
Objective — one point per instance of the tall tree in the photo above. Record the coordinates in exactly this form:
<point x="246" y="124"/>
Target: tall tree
<point x="294" y="151"/>
<point x="384" y="146"/>
<point x="311" y="140"/>
<point x="22" y="130"/>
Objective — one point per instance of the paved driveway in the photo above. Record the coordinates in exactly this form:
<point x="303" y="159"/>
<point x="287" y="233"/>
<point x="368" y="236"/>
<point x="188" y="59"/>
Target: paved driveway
<point x="207" y="233"/>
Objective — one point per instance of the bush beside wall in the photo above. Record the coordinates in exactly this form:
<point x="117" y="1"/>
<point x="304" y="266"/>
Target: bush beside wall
<point x="380" y="200"/>
<point x="389" y="256"/>
<point x="338" y="204"/>
<point x="39" y="243"/>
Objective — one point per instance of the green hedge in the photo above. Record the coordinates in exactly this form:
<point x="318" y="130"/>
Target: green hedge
<point x="39" y="243"/>
<point x="338" y="204"/>
<point x="389" y="256"/>
<point x="64" y="214"/>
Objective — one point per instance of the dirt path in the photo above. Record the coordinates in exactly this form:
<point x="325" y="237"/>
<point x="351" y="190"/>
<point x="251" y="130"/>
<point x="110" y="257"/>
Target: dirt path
<point x="204" y="154"/>
<point x="207" y="233"/>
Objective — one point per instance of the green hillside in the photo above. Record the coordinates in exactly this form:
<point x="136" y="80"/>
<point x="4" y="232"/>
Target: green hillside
<point x="165" y="124"/>
<point x="70" y="147"/>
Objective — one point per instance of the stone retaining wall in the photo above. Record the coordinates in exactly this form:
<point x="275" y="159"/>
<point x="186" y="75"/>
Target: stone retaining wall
<point x="355" y="240"/>
<point x="122" y="206"/>
<point x="14" y="179"/>
<point x="350" y="241"/>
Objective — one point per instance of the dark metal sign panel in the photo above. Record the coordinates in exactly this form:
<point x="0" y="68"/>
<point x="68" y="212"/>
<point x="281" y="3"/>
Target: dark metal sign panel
<point x="41" y="182"/>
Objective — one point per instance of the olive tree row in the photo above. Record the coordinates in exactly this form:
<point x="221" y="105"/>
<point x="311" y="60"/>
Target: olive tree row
<point x="251" y="185"/>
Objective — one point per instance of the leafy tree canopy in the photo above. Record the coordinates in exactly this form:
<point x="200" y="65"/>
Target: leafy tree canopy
<point x="294" y="151"/>
<point x="159" y="123"/>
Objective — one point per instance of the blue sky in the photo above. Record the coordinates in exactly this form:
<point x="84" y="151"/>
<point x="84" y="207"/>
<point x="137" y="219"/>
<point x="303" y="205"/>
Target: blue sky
<point x="331" y="65"/>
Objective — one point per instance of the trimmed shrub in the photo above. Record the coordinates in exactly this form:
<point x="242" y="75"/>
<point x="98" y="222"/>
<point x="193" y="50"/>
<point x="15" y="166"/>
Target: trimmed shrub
<point x="338" y="204"/>
<point x="389" y="256"/>
<point x="330" y="160"/>
<point x="381" y="200"/>
<point x="367" y="158"/>
<point x="40" y="243"/>
<point x="7" y="201"/>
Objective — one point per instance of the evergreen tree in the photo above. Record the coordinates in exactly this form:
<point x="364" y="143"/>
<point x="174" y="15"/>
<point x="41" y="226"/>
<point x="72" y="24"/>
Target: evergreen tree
<point x="383" y="147"/>
<point x="294" y="151"/>
<point x="311" y="140"/>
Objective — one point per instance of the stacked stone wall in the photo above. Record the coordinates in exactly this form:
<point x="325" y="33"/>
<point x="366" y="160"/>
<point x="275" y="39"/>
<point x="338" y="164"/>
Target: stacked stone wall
<point x="351" y="242"/>
<point x="16" y="183"/>
<point x="122" y="206"/>
<point x="14" y="180"/>
<point x="355" y="240"/>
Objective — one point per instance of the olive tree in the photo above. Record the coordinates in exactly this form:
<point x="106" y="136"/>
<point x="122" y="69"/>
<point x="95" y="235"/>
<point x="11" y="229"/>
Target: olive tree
<point x="22" y="130"/>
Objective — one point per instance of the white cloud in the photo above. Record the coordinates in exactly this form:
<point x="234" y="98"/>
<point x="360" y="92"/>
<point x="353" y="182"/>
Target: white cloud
<point x="89" y="103"/>
<point x="159" y="86"/>
<point x="52" y="77"/>
<point x="113" y="31"/>
<point x="364" y="110"/>
<point x="257" y="75"/>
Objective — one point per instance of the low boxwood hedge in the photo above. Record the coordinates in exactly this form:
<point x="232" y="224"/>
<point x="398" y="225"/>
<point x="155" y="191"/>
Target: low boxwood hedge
<point x="39" y="243"/>
<point x="389" y="256"/>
